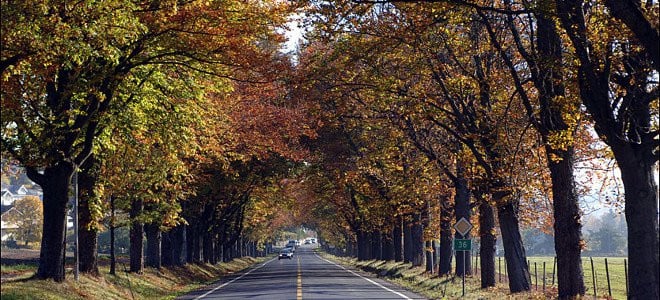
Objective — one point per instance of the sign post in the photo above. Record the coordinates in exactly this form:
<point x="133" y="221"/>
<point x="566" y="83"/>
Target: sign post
<point x="463" y="227"/>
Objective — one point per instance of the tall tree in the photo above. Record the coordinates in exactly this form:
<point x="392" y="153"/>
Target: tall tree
<point x="617" y="89"/>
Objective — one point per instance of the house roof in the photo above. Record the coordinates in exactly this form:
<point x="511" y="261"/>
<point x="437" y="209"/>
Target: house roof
<point x="7" y="225"/>
<point x="4" y="208"/>
<point x="35" y="190"/>
<point x="9" y="208"/>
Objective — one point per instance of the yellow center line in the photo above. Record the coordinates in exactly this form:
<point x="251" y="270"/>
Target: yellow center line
<point x="299" y="290"/>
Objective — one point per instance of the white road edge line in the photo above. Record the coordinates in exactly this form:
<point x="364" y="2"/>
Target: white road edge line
<point x="226" y="283"/>
<point x="367" y="279"/>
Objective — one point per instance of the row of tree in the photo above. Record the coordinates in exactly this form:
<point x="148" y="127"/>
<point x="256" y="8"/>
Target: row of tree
<point x="433" y="110"/>
<point x="173" y="115"/>
<point x="397" y="118"/>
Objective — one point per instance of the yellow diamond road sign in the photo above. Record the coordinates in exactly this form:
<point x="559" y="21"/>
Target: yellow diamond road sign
<point x="463" y="226"/>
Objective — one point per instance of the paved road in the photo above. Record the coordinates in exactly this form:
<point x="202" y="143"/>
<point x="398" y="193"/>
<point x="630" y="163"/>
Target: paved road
<point x="306" y="276"/>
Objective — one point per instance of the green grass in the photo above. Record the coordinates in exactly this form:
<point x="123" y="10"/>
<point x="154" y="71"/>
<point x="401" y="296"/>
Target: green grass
<point x="17" y="268"/>
<point x="616" y="271"/>
<point x="166" y="283"/>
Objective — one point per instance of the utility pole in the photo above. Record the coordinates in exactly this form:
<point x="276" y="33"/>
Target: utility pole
<point x="75" y="224"/>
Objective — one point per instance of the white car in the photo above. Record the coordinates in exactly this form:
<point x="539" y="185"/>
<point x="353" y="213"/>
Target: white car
<point x="285" y="253"/>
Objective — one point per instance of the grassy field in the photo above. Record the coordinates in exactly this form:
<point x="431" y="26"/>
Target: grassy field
<point x="615" y="266"/>
<point x="166" y="283"/>
<point x="415" y="279"/>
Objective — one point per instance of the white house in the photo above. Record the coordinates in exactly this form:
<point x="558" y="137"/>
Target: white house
<point x="13" y="193"/>
<point x="7" y="227"/>
<point x="7" y="198"/>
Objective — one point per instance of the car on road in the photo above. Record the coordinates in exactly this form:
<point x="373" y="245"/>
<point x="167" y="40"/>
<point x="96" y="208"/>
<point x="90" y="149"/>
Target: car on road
<point x="285" y="253"/>
<point x="292" y="244"/>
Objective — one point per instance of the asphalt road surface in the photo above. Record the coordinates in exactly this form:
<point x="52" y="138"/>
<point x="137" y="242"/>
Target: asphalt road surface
<point x="306" y="276"/>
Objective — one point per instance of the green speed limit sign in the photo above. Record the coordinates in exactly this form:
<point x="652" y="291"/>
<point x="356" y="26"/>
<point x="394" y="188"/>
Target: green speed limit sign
<point x="462" y="244"/>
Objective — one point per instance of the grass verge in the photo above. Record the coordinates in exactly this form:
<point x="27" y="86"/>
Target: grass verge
<point x="166" y="283"/>
<point x="415" y="279"/>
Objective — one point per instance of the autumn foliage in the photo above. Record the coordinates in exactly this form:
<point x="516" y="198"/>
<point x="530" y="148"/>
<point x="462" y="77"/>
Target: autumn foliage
<point x="391" y="120"/>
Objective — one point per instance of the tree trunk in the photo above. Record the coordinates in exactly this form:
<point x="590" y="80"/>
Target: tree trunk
<point x="377" y="245"/>
<point x="219" y="250"/>
<point x="113" y="258"/>
<point x="207" y="247"/>
<point x="214" y="248"/>
<point x="407" y="240"/>
<point x="88" y="240"/>
<point x="417" y="238"/>
<point x="193" y="253"/>
<point x="189" y="241"/>
<point x="514" y="251"/>
<point x="215" y="256"/>
<point x="136" y="233"/>
<point x="154" y="239"/>
<point x="87" y="235"/>
<point x="397" y="238"/>
<point x="55" y="183"/>
<point x="349" y="246"/>
<point x="629" y="135"/>
<point x="641" y="215"/>
<point x="388" y="247"/>
<point x="166" y="250"/>
<point x="487" y="244"/>
<point x="179" y="245"/>
<point x="362" y="245"/>
<point x="445" y="254"/>
<point x="435" y="245"/>
<point x="567" y="225"/>
<point x="462" y="210"/>
<point x="426" y="222"/>
<point x="226" y="252"/>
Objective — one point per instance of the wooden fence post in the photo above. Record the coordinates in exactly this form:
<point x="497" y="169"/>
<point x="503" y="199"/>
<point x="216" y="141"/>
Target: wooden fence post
<point x="607" y="271"/>
<point x="499" y="267"/>
<point x="544" y="276"/>
<point x="536" y="278"/>
<point x="625" y="271"/>
<point x="554" y="264"/>
<point x="593" y="276"/>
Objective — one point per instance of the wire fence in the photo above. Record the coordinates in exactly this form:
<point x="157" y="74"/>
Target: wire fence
<point x="604" y="277"/>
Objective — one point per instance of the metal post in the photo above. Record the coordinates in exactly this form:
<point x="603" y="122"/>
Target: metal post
<point x="464" y="269"/>
<point x="463" y="273"/>
<point x="75" y="225"/>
